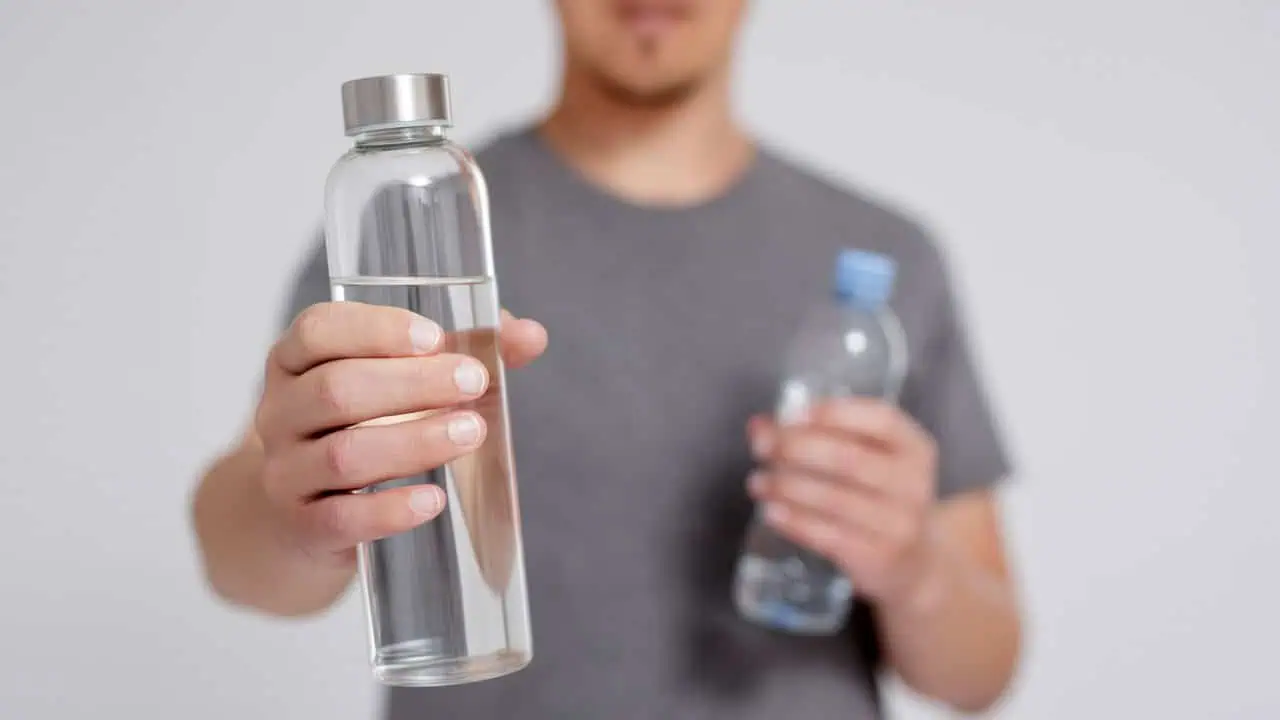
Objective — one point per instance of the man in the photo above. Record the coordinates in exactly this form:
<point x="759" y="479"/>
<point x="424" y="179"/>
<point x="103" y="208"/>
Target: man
<point x="671" y="256"/>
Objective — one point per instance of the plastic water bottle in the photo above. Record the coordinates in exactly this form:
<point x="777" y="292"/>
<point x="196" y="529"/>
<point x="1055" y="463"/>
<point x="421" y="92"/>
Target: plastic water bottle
<point x="851" y="345"/>
<point x="407" y="225"/>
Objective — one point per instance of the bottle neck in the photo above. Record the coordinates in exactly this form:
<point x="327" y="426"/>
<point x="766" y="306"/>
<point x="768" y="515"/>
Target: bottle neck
<point x="399" y="137"/>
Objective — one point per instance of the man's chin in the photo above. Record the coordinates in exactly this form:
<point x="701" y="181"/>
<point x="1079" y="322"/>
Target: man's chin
<point x="649" y="94"/>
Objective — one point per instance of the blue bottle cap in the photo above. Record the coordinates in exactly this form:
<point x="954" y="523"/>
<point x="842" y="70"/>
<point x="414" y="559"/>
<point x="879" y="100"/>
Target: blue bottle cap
<point x="864" y="278"/>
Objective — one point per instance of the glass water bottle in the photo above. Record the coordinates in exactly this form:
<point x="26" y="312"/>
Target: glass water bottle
<point x="407" y="225"/>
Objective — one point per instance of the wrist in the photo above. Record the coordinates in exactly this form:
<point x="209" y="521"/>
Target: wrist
<point x="926" y="588"/>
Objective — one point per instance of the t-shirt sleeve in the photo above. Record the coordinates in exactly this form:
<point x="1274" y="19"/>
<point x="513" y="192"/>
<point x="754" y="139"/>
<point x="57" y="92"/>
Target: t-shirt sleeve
<point x="946" y="395"/>
<point x="310" y="284"/>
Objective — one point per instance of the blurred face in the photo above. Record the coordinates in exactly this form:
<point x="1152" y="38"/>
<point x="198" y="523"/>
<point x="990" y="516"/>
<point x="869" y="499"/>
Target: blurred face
<point x="649" y="51"/>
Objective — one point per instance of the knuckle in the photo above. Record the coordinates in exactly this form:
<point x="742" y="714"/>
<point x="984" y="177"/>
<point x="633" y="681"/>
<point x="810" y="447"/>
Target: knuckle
<point x="271" y="417"/>
<point x="332" y="391"/>
<point x="263" y="418"/>
<point x="272" y="361"/>
<point x="340" y="457"/>
<point x="278" y="493"/>
<point x="275" y="480"/>
<point x="309" y="325"/>
<point x="336" y="517"/>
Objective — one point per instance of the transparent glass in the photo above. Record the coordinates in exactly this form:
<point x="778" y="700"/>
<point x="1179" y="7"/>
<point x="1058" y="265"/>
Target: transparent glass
<point x="407" y="225"/>
<point x="842" y="349"/>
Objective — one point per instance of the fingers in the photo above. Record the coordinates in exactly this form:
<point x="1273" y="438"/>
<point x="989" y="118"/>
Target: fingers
<point x="866" y="419"/>
<point x="329" y="331"/>
<point x="360" y="456"/>
<point x="357" y="394"/>
<point x="870" y="419"/>
<point x="335" y="330"/>
<point x="809" y="449"/>
<point x="523" y="340"/>
<point x="345" y="392"/>
<point x="819" y="532"/>
<point x="837" y="503"/>
<point x="864" y="441"/>
<point x="820" y="453"/>
<point x="340" y="522"/>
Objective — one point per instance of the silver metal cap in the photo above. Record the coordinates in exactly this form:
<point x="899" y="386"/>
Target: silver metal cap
<point x="391" y="101"/>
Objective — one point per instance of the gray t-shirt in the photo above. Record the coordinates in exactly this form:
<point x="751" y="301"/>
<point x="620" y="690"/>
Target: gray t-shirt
<point x="667" y="330"/>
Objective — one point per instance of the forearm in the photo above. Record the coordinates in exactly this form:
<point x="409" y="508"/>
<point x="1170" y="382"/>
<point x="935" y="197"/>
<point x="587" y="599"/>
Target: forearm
<point x="957" y="637"/>
<point x="245" y="560"/>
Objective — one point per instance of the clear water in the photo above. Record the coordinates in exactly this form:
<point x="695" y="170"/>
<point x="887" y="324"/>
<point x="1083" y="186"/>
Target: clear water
<point x="790" y="591"/>
<point x="840" y="351"/>
<point x="446" y="602"/>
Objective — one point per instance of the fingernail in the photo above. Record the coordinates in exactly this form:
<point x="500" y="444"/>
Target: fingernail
<point x="426" y="501"/>
<point x="755" y="483"/>
<point x="469" y="377"/>
<point x="464" y="429"/>
<point x="424" y="335"/>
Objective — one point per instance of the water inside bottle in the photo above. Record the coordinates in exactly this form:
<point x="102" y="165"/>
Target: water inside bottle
<point x="445" y="601"/>
<point x="805" y="597"/>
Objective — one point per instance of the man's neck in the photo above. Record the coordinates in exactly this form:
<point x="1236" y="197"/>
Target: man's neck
<point x="679" y="154"/>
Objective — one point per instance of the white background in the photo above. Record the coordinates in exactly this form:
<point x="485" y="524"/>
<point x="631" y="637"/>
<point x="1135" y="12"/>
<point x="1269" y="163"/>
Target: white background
<point x="1105" y="174"/>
